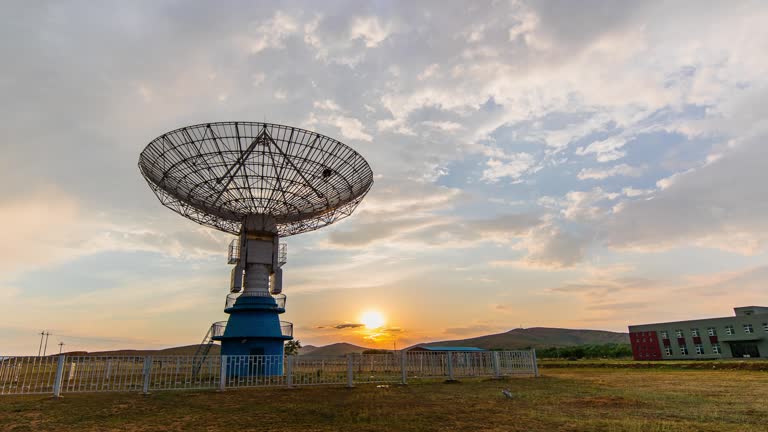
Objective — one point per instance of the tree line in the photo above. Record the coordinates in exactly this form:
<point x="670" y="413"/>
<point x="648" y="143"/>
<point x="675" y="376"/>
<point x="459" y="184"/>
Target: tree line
<point x="610" y="350"/>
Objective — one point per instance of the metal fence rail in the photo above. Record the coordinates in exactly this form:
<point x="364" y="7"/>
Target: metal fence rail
<point x="376" y="368"/>
<point x="27" y="375"/>
<point x="69" y="374"/>
<point x="317" y="370"/>
<point x="184" y="373"/>
<point x="253" y="371"/>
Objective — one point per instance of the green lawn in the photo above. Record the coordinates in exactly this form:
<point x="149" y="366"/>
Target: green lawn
<point x="563" y="399"/>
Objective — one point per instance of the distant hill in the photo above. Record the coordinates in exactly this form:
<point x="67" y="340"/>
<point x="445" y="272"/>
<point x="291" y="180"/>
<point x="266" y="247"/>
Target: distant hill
<point x="306" y="349"/>
<point x="337" y="349"/>
<point x="535" y="337"/>
<point x="187" y="350"/>
<point x="538" y="337"/>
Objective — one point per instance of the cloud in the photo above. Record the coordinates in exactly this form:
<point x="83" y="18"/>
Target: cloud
<point x="420" y="222"/>
<point x="370" y="30"/>
<point x="49" y="227"/>
<point x="347" y="325"/>
<point x="331" y="114"/>
<point x="632" y="192"/>
<point x="429" y="71"/>
<point x="606" y="150"/>
<point x="269" y="34"/>
<point x="581" y="205"/>
<point x="601" y="174"/>
<point x="550" y="247"/>
<point x="717" y="205"/>
<point x="512" y="166"/>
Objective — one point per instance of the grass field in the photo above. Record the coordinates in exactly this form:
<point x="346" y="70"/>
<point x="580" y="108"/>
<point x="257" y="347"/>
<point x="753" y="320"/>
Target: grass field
<point x="563" y="399"/>
<point x="727" y="364"/>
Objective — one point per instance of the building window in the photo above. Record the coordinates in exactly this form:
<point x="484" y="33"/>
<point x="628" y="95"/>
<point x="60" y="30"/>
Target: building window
<point x="716" y="348"/>
<point x="683" y="350"/>
<point x="665" y="335"/>
<point x="695" y="332"/>
<point x="668" y="351"/>
<point x="679" y="333"/>
<point x="712" y="331"/>
<point x="729" y="330"/>
<point x="765" y="326"/>
<point x="699" y="349"/>
<point x="748" y="328"/>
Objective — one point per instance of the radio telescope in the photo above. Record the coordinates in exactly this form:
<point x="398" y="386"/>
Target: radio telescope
<point x="259" y="181"/>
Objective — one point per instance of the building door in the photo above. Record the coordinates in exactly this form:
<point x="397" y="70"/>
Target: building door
<point x="744" y="349"/>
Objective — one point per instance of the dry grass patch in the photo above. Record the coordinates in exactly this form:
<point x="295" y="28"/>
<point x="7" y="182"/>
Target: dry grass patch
<point x="562" y="400"/>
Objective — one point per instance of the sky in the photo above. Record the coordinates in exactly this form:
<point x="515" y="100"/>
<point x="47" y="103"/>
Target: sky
<point x="588" y="164"/>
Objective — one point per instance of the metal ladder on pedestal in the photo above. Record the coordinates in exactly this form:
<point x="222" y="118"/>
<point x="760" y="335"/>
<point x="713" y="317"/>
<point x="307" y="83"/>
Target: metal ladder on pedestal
<point x="202" y="352"/>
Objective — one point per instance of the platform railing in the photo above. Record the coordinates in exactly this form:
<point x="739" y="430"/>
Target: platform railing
<point x="286" y="328"/>
<point x="218" y="328"/>
<point x="232" y="298"/>
<point x="72" y="374"/>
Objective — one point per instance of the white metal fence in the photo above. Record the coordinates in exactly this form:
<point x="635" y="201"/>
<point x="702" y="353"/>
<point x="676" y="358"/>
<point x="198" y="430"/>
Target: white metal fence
<point x="69" y="374"/>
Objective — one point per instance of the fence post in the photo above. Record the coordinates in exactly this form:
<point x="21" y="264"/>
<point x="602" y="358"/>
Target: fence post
<point x="289" y="372"/>
<point x="403" y="367"/>
<point x="350" y="371"/>
<point x="450" y="366"/>
<point x="496" y="366"/>
<point x="59" y="377"/>
<point x="147" y="373"/>
<point x="223" y="374"/>
<point x="535" y="363"/>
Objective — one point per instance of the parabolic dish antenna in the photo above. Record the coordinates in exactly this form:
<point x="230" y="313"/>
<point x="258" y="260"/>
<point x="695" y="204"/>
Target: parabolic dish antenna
<point x="259" y="181"/>
<point x="217" y="174"/>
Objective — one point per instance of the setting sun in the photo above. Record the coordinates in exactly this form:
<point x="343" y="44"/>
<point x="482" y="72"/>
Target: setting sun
<point x="372" y="319"/>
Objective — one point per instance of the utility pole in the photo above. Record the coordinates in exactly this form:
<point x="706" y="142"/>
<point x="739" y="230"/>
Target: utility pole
<point x="46" y="343"/>
<point x="40" y="348"/>
<point x="61" y="345"/>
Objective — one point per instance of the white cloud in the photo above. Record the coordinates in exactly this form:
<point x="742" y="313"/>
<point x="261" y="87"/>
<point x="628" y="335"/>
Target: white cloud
<point x="257" y="79"/>
<point x="606" y="150"/>
<point x="447" y="126"/>
<point x="350" y="127"/>
<point x="717" y="205"/>
<point x="581" y="205"/>
<point x="632" y="192"/>
<point x="601" y="174"/>
<point x="327" y="104"/>
<point x="502" y="164"/>
<point x="370" y="30"/>
<point x="269" y="34"/>
<point x="548" y="247"/>
<point x="428" y="72"/>
<point x="50" y="227"/>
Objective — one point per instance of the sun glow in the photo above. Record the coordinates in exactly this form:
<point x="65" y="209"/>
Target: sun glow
<point x="372" y="319"/>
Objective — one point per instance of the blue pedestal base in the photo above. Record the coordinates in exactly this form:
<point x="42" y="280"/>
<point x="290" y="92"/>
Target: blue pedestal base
<point x="253" y="329"/>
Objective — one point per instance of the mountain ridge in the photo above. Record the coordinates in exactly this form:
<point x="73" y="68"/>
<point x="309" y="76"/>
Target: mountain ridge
<point x="519" y="338"/>
<point x="537" y="337"/>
